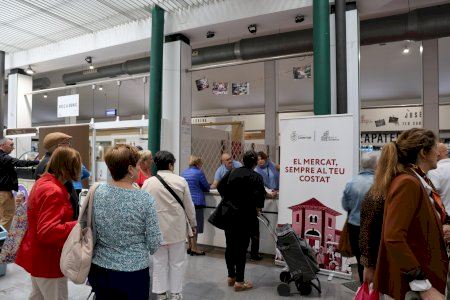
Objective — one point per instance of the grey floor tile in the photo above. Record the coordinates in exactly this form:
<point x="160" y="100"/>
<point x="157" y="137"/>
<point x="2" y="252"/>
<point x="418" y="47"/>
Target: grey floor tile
<point x="205" y="279"/>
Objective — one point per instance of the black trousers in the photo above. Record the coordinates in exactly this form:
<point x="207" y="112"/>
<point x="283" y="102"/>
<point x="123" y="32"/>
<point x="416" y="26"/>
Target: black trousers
<point x="110" y="284"/>
<point x="236" y="252"/>
<point x="353" y="232"/>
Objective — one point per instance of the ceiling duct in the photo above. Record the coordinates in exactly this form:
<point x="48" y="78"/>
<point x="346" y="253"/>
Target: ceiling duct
<point x="421" y="24"/>
<point x="41" y="83"/>
<point x="38" y="84"/>
<point x="130" y="67"/>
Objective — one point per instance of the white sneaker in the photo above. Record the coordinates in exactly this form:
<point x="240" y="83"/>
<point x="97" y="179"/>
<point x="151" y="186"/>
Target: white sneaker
<point x="162" y="296"/>
<point x="176" y="296"/>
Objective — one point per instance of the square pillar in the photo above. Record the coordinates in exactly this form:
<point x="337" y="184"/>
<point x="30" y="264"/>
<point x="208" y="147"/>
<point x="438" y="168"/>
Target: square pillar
<point x="20" y="108"/>
<point x="271" y="108"/>
<point x="177" y="103"/>
<point x="353" y="82"/>
<point x="430" y="85"/>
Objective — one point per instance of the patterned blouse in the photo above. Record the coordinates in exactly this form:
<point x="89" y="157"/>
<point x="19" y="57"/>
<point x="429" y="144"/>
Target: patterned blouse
<point x="127" y="228"/>
<point x="372" y="213"/>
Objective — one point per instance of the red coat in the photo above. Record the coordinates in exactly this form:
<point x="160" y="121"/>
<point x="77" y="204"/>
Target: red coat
<point x="49" y="223"/>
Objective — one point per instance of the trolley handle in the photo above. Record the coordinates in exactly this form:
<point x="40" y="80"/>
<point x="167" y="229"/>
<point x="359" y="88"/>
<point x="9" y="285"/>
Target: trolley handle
<point x="263" y="219"/>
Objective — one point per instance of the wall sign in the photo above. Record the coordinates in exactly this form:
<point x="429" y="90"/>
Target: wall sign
<point x="68" y="106"/>
<point x="391" y="118"/>
<point x="111" y="112"/>
<point x="378" y="138"/>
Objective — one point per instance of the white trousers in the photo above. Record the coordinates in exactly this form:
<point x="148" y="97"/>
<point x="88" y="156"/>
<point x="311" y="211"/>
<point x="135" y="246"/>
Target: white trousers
<point x="168" y="268"/>
<point x="49" y="289"/>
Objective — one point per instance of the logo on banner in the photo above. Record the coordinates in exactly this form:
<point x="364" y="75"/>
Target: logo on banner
<point x="295" y="136"/>
<point x="326" y="137"/>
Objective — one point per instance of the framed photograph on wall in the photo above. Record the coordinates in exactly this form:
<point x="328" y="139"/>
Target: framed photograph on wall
<point x="302" y="72"/>
<point x="202" y="84"/>
<point x="220" y="88"/>
<point x="238" y="89"/>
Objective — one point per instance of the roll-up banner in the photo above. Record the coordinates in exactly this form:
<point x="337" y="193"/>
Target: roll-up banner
<point x="317" y="160"/>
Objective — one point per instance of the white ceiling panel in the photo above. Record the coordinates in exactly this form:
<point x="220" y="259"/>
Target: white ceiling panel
<point x="25" y="24"/>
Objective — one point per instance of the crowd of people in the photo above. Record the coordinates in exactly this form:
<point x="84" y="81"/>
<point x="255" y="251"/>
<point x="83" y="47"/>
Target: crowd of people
<point x="398" y="222"/>
<point x="135" y="214"/>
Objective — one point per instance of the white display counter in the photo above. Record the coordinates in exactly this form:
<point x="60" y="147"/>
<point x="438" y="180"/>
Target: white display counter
<point x="216" y="237"/>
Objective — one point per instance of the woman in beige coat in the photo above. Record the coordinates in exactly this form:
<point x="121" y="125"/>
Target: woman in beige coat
<point x="176" y="223"/>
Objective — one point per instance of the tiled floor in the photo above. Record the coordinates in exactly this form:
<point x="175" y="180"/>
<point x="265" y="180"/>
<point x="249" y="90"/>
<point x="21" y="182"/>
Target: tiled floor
<point x="205" y="278"/>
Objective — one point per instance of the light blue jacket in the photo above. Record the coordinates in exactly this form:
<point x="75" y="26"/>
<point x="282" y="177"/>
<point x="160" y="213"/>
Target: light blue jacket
<point x="222" y="170"/>
<point x="127" y="228"/>
<point x="270" y="175"/>
<point x="354" y="194"/>
<point x="84" y="174"/>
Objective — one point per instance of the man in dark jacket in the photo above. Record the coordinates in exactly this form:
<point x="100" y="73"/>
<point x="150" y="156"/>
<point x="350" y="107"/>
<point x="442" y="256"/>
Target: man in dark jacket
<point x="244" y="189"/>
<point x="51" y="142"/>
<point x="8" y="181"/>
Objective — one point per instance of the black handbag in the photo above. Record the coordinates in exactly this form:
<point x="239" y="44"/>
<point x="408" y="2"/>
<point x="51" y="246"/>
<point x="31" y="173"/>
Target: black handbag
<point x="224" y="213"/>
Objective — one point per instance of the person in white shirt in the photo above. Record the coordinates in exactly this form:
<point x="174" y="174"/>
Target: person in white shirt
<point x="176" y="220"/>
<point x="441" y="175"/>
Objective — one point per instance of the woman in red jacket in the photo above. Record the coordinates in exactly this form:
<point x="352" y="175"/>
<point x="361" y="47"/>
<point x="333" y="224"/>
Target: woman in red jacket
<point x="50" y="220"/>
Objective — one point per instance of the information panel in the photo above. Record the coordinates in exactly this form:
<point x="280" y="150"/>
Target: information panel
<point x="316" y="163"/>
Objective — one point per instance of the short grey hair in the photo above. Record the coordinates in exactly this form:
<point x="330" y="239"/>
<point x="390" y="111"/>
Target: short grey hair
<point x="3" y="141"/>
<point x="369" y="160"/>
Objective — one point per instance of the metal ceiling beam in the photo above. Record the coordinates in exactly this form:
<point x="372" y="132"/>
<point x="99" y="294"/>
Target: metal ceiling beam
<point x="27" y="32"/>
<point x="183" y="3"/>
<point x="11" y="46"/>
<point x="120" y="12"/>
<point x="53" y="15"/>
<point x="172" y="6"/>
<point x="161" y="4"/>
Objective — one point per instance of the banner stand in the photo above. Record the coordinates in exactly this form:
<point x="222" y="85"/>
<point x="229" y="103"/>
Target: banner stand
<point x="317" y="161"/>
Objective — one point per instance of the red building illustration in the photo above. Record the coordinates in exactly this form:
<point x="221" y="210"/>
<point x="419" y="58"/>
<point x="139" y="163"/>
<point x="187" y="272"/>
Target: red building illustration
<point x="316" y="223"/>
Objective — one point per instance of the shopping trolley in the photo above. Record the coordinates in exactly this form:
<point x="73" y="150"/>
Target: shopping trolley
<point x="299" y="257"/>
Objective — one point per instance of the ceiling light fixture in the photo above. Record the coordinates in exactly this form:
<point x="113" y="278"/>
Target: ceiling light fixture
<point x="29" y="70"/>
<point x="252" y="28"/>
<point x="421" y="49"/>
<point x="100" y="88"/>
<point x="406" y="50"/>
<point x="299" y="18"/>
<point x="88" y="59"/>
<point x="45" y="96"/>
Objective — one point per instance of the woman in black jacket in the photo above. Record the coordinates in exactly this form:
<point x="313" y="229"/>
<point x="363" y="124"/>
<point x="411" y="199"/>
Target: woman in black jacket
<point x="244" y="189"/>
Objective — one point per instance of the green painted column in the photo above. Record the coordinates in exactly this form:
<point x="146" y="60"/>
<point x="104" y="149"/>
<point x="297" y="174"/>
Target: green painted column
<point x="156" y="70"/>
<point x="321" y="45"/>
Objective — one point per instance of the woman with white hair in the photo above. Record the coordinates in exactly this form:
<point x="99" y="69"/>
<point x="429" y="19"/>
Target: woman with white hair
<point x="352" y="198"/>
